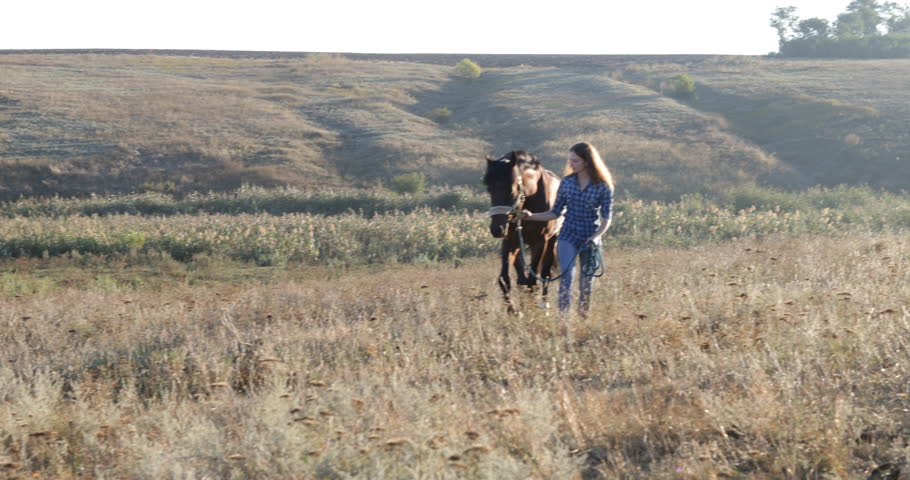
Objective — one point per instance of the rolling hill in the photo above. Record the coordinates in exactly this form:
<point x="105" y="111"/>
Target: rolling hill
<point x="834" y="121"/>
<point x="74" y="123"/>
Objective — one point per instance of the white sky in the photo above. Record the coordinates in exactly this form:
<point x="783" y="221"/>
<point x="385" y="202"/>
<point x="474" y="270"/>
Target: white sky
<point x="406" y="26"/>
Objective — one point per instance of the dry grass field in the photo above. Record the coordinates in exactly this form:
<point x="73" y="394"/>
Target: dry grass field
<point x="782" y="358"/>
<point x="208" y="325"/>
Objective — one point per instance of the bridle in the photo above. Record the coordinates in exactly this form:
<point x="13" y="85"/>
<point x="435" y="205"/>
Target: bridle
<point x="516" y="205"/>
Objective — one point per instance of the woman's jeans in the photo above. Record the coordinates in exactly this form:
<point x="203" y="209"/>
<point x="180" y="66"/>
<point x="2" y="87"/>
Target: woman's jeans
<point x="567" y="252"/>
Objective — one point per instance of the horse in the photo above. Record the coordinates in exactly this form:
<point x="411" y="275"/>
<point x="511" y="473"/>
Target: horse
<point x="517" y="181"/>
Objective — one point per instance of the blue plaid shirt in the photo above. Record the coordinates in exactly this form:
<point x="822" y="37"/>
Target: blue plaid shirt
<point x="581" y="208"/>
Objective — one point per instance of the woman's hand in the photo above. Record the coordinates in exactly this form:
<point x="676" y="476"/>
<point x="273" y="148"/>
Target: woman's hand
<point x="524" y="214"/>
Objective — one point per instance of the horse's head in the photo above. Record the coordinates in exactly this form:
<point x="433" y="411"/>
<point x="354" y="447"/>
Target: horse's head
<point x="504" y="180"/>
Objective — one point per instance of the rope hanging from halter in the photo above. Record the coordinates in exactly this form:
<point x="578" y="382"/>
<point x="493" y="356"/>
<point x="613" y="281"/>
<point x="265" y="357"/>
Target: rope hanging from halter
<point x="589" y="267"/>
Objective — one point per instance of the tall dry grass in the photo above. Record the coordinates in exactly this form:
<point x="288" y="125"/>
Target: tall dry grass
<point x="782" y="358"/>
<point x="343" y="228"/>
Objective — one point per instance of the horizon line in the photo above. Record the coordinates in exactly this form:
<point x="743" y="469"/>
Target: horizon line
<point x="303" y="52"/>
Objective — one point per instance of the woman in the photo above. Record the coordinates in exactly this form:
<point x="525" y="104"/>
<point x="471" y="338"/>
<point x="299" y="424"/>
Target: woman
<point x="585" y="191"/>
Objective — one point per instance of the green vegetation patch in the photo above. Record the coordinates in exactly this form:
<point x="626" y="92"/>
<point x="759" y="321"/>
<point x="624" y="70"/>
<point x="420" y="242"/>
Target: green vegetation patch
<point x="254" y="200"/>
<point x="428" y="234"/>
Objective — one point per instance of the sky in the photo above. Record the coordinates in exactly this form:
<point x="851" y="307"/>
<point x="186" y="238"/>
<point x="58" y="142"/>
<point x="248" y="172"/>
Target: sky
<point x="729" y="27"/>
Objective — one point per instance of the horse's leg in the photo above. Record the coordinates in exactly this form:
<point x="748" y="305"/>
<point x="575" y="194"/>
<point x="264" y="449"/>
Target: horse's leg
<point x="506" y="256"/>
<point x="546" y="267"/>
<point x="536" y="254"/>
<point x="521" y="268"/>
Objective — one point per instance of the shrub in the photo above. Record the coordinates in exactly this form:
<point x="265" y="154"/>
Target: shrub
<point x="746" y="197"/>
<point x="682" y="86"/>
<point x="468" y="69"/>
<point x="452" y="200"/>
<point x="167" y="187"/>
<point x="409" y="182"/>
<point x="440" y="115"/>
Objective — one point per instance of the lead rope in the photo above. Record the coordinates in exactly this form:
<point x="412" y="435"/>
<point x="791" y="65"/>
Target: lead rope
<point x="589" y="267"/>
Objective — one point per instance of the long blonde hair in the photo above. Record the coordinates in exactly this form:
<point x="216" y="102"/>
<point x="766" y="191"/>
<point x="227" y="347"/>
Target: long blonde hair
<point x="594" y="165"/>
